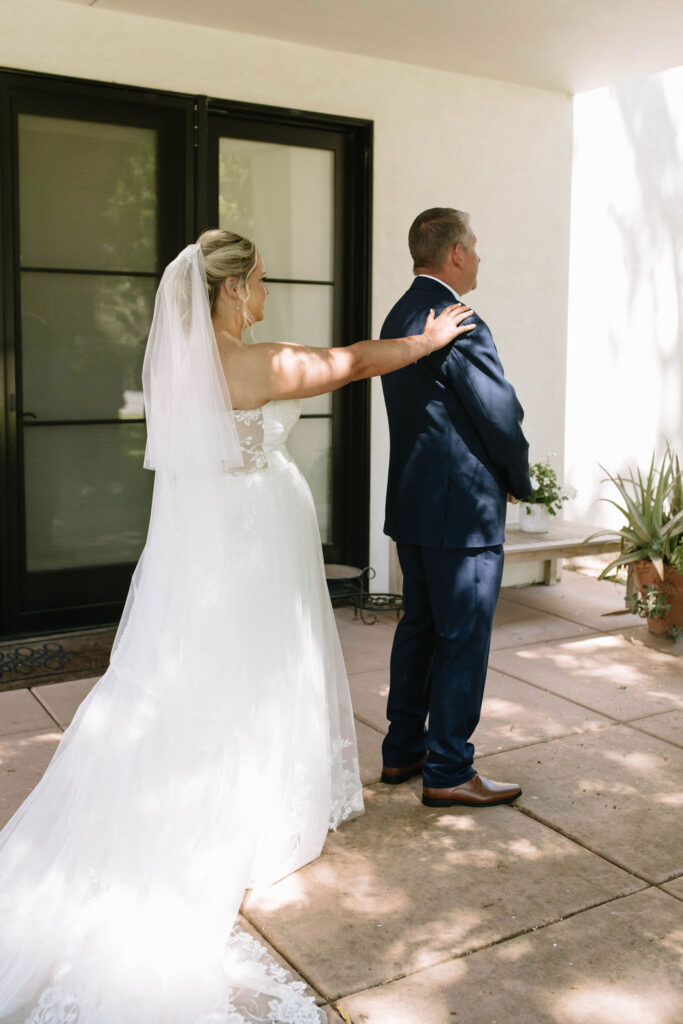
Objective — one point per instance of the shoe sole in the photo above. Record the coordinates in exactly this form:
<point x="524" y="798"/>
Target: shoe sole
<point x="429" y="801"/>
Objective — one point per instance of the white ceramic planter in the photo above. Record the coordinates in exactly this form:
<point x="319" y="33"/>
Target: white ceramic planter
<point x="533" y="518"/>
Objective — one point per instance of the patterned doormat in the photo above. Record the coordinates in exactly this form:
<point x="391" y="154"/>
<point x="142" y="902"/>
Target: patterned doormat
<point x="51" y="659"/>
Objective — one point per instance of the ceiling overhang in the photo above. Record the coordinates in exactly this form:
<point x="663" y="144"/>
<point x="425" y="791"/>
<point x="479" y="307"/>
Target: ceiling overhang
<point x="564" y="45"/>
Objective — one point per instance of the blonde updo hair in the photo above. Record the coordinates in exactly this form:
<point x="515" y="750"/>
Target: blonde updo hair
<point x="227" y="254"/>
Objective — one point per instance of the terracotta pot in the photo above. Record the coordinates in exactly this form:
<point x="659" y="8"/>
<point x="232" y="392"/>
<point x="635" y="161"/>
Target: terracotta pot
<point x="533" y="518"/>
<point x="672" y="587"/>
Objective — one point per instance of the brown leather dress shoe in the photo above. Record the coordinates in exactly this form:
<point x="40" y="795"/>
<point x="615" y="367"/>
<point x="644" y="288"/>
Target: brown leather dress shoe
<point x="476" y="792"/>
<point x="394" y="776"/>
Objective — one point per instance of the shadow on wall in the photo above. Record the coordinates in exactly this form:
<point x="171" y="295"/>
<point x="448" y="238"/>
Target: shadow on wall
<point x="657" y="154"/>
<point x="625" y="345"/>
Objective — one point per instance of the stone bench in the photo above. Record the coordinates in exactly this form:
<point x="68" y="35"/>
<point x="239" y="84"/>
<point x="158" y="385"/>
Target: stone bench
<point x="563" y="540"/>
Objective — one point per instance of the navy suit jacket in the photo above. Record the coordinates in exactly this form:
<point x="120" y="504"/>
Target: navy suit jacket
<point x="457" y="444"/>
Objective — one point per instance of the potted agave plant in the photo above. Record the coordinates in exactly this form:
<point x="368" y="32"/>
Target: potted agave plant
<point x="546" y="498"/>
<point x="652" y="542"/>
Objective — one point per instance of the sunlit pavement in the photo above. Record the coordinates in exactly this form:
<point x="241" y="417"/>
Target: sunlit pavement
<point x="564" y="908"/>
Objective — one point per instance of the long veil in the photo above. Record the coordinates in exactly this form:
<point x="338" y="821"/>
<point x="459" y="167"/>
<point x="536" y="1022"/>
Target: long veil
<point x="122" y="874"/>
<point x="191" y="427"/>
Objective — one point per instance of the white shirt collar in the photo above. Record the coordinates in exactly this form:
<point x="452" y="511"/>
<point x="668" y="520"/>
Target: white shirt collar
<point x="455" y="294"/>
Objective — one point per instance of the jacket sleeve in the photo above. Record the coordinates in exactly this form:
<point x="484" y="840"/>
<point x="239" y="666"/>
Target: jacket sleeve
<point x="474" y="371"/>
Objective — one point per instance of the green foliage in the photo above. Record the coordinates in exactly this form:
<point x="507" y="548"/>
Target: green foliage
<point x="652" y="604"/>
<point x="677" y="485"/>
<point x="653" y="509"/>
<point x="546" y="488"/>
<point x="677" y="557"/>
<point x="675" y="632"/>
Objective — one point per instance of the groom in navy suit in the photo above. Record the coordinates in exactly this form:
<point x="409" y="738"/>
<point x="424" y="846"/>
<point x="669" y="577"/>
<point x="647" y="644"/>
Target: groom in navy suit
<point x="457" y="454"/>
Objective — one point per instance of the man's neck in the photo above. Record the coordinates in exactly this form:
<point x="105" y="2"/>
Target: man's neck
<point x="435" y="277"/>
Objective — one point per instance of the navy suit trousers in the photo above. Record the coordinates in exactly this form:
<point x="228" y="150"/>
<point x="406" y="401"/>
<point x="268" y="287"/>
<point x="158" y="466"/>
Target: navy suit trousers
<point x="440" y="657"/>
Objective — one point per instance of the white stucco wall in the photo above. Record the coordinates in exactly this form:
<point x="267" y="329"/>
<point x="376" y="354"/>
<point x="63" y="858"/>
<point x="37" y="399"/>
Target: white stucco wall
<point x="625" y="347"/>
<point x="500" y="151"/>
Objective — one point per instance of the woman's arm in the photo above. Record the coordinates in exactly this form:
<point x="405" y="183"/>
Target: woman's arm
<point x="297" y="371"/>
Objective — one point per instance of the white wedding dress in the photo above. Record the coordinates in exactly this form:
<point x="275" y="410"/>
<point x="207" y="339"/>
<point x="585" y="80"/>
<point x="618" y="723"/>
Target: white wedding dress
<point x="213" y="755"/>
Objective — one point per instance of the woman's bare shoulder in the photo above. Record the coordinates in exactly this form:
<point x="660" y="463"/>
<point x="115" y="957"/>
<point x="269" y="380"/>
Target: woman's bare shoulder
<point x="247" y="370"/>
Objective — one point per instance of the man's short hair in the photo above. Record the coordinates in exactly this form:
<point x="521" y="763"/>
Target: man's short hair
<point x="434" y="233"/>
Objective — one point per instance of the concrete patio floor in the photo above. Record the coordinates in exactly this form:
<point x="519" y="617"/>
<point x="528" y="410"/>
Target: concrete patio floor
<point x="564" y="908"/>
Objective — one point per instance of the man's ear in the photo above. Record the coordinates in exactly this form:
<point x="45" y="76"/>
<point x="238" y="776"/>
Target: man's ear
<point x="457" y="255"/>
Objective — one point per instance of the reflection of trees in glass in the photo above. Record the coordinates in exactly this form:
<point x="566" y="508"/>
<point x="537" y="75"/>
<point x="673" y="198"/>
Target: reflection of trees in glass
<point x="235" y="202"/>
<point x="87" y="194"/>
<point x="84" y="337"/>
<point x="123" y="306"/>
<point x="88" y="200"/>
<point x="87" y="496"/>
<point x="108" y="350"/>
<point x="131" y="209"/>
<point x="83" y="342"/>
<point x="123" y="317"/>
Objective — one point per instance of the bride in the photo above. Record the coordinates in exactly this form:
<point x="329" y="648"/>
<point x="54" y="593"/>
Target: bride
<point x="218" y="748"/>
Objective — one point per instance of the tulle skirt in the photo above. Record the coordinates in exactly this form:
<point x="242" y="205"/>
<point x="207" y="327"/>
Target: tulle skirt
<point x="212" y="756"/>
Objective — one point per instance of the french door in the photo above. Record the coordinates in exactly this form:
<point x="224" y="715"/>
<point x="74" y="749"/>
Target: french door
<point x="299" y="191"/>
<point x="101" y="187"/>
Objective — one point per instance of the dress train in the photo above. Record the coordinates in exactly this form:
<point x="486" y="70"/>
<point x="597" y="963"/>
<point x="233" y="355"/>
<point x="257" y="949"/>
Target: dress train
<point x="213" y="756"/>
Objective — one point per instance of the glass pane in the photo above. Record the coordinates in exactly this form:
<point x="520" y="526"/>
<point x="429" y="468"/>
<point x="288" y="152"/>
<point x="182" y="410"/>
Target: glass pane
<point x="87" y="495"/>
<point x="83" y="343"/>
<point x="282" y="198"/>
<point x="310" y="444"/>
<point x="87" y="194"/>
<point x="301" y="313"/>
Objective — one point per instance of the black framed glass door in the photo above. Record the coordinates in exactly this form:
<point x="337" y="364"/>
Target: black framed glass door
<point x="301" y="192"/>
<point x="96" y="207"/>
<point x="100" y="187"/>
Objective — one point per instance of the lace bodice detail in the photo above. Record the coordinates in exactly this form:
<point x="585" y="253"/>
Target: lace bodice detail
<point x="264" y="429"/>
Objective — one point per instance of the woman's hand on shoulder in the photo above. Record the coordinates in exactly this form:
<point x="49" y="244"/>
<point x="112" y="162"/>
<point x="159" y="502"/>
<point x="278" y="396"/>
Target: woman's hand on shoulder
<point x="448" y="325"/>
